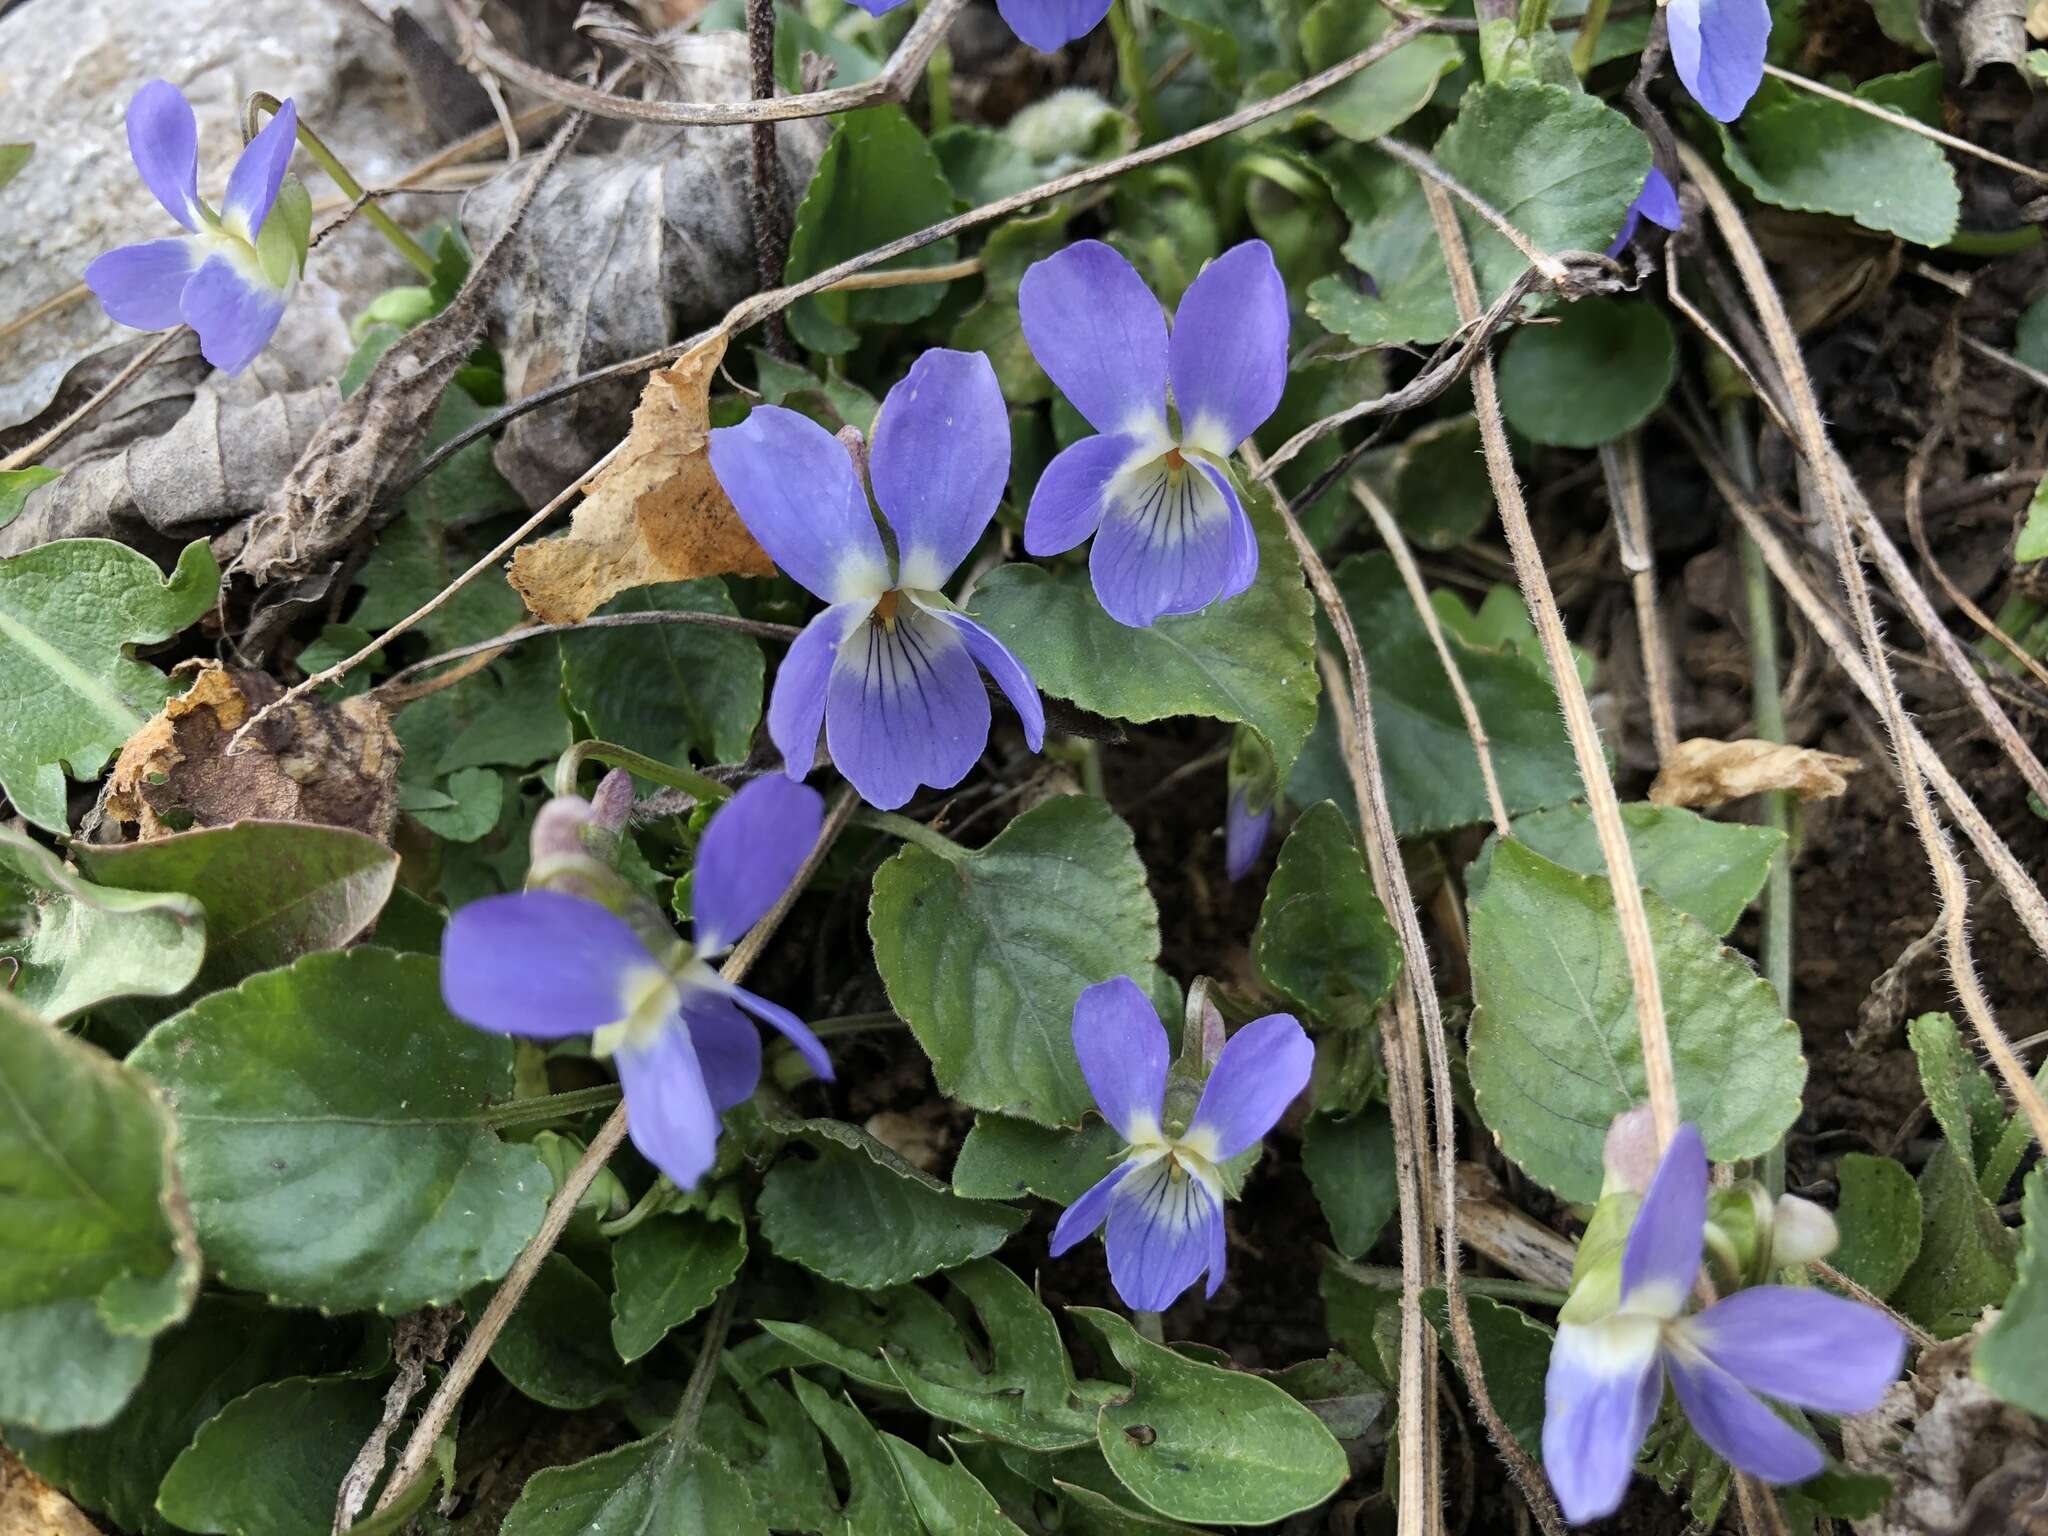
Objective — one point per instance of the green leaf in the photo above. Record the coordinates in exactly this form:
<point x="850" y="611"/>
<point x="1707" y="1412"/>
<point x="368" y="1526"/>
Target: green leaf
<point x="1709" y="870"/>
<point x="1432" y="773"/>
<point x="2012" y="1357"/>
<point x="1878" y="1215"/>
<point x="557" y="1348"/>
<point x="1349" y="1160"/>
<point x="1394" y="243"/>
<point x="1600" y="372"/>
<point x="466" y="810"/>
<point x="90" y="1208"/>
<point x="673" y="691"/>
<point x="75" y="944"/>
<point x="273" y="890"/>
<point x="668" y="1269"/>
<point x="776" y="1452"/>
<point x="1006" y="1159"/>
<point x="948" y="1498"/>
<point x="15" y="484"/>
<point x="1377" y="100"/>
<point x="994" y="325"/>
<point x="984" y="956"/>
<point x="1514" y="1351"/>
<point x="1805" y="152"/>
<point x="663" y="1484"/>
<point x="335" y="1138"/>
<point x="850" y="1331"/>
<point x="1323" y="940"/>
<point x="857" y="1213"/>
<point x="12" y="158"/>
<point x="71" y="691"/>
<point x="1440" y="493"/>
<point x="1197" y="1442"/>
<point x="272" y="1461"/>
<point x="1966" y="1252"/>
<point x="65" y="1368"/>
<point x="1554" y="1051"/>
<point x="2033" y="540"/>
<point x="228" y="1345"/>
<point x="877" y="1504"/>
<point x="1250" y="660"/>
<point x="877" y="179"/>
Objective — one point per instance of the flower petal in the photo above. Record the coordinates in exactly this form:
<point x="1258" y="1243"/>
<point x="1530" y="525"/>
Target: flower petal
<point x="939" y="462"/>
<point x="253" y="184"/>
<point x="1050" y="24"/>
<point x="1244" y="835"/>
<point x="878" y="7"/>
<point x="141" y="285"/>
<point x="1086" y="1213"/>
<point x="163" y="139"/>
<point x="1718" y="48"/>
<point x="1599" y="1397"/>
<point x="1161" y="1235"/>
<point x="727" y="1044"/>
<point x="1229" y="348"/>
<point x="905" y="707"/>
<point x="1260" y="1071"/>
<point x="794" y="487"/>
<point x="669" y="1113"/>
<point x="1657" y="202"/>
<point x="751" y="849"/>
<point x="1244" y="539"/>
<point x="1802" y="1346"/>
<point x="1737" y="1425"/>
<point x="1096" y="329"/>
<point x="1168" y="545"/>
<point x="796" y="709"/>
<point x="1121" y="1046"/>
<point x="789" y="1026"/>
<point x="1072" y="495"/>
<point x="233" y="309"/>
<point x="539" y="964"/>
<point x="1662" y="1257"/>
<point x="1001" y="663"/>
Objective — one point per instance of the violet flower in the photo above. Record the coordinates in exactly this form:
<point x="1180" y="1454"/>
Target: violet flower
<point x="1718" y="48"/>
<point x="1253" y="795"/>
<point x="543" y="964"/>
<point x="1046" y="25"/>
<point x="892" y="668"/>
<point x="1163" y="1204"/>
<point x="1170" y="533"/>
<point x="1657" y="202"/>
<point x="229" y="276"/>
<point x="1625" y="1328"/>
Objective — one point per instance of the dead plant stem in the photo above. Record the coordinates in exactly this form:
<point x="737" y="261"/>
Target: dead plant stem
<point x="1621" y="462"/>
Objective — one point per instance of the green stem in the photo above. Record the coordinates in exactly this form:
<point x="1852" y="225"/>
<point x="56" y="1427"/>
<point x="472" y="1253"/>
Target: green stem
<point x="1381" y="1278"/>
<point x="1589" y="36"/>
<point x="1091" y="769"/>
<point x="351" y="189"/>
<point x="656" y="1199"/>
<point x="938" y="85"/>
<point x="1149" y="1325"/>
<point x="688" y="780"/>
<point x="1130" y="69"/>
<point x="912" y="832"/>
<point x="1768" y="707"/>
<point x="857" y="1023"/>
<point x="684" y="1430"/>
<point x="553" y="1106"/>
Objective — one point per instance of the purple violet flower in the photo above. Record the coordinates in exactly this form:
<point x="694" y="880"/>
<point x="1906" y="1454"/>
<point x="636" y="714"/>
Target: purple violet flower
<point x="1718" y="48"/>
<point x="1244" y="833"/>
<point x="1164" y="1203"/>
<point x="543" y="964"/>
<point x="1657" y="202"/>
<point x="1046" y="25"/>
<point x="1170" y="533"/>
<point x="1801" y="1346"/>
<point x="891" y="670"/>
<point x="229" y="276"/>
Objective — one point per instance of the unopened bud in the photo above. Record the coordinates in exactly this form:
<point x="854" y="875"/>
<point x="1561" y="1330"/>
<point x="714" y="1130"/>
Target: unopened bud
<point x="856" y="448"/>
<point x="1801" y="1232"/>
<point x="1630" y="1154"/>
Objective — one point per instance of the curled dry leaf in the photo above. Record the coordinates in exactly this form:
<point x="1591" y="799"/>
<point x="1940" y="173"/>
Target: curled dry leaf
<point x="31" y="1507"/>
<point x="333" y="763"/>
<point x="1708" y="772"/>
<point x="655" y="513"/>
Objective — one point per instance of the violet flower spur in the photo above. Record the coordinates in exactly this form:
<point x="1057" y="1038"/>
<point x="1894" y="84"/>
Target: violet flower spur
<point x="1625" y="1329"/>
<point x="543" y="964"/>
<point x="229" y="276"/>
<point x="1163" y="1205"/>
<point x="891" y="670"/>
<point x="1170" y="533"/>
<point x="1718" y="48"/>
<point x="1046" y="25"/>
<point x="1657" y="202"/>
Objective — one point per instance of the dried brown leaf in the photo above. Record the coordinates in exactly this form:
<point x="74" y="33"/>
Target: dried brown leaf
<point x="1708" y="772"/>
<point x="31" y="1507"/>
<point x="655" y="513"/>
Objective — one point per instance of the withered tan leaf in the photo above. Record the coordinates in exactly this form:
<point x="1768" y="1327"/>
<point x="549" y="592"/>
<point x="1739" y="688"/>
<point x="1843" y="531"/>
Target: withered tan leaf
<point x="31" y="1507"/>
<point x="655" y="513"/>
<point x="1703" y="771"/>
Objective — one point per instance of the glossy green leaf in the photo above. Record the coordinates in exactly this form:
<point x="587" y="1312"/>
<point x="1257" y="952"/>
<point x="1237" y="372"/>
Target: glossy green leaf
<point x="75" y="944"/>
<point x="774" y="1447"/>
<point x="1197" y="1442"/>
<point x="1599" y="372"/>
<point x="1878" y="1216"/>
<point x="850" y="1331"/>
<point x="947" y="1497"/>
<point x="984" y="956"/>
<point x="857" y="1213"/>
<point x="335" y="1136"/>
<point x="71" y="690"/>
<point x="2012" y="1357"/>
<point x="677" y="692"/>
<point x="1349" y="1160"/>
<point x="668" y="1269"/>
<point x="1249" y="660"/>
<point x="1554" y="1052"/>
<point x="1323" y="940"/>
<point x="664" y="1484"/>
<point x="557" y="1347"/>
<point x="877" y="1504"/>
<point x="272" y="1461"/>
<point x="272" y="890"/>
<point x="1005" y="1159"/>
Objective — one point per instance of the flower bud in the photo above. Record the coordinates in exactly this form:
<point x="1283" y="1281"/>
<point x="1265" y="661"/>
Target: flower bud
<point x="1631" y="1152"/>
<point x="1801" y="1232"/>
